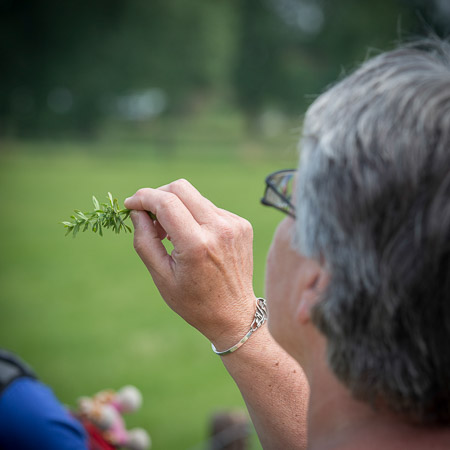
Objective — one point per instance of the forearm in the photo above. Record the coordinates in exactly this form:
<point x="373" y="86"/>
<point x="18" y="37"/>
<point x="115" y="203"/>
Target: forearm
<point x="275" y="391"/>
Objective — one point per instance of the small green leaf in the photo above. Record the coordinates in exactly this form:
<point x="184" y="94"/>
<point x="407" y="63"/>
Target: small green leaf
<point x="116" y="205"/>
<point x="111" y="200"/>
<point x="80" y="215"/>
<point x="96" y="203"/>
<point x="125" y="213"/>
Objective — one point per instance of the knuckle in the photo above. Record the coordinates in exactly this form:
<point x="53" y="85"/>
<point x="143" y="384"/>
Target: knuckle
<point x="246" y="227"/>
<point x="225" y="231"/>
<point x="168" y="201"/>
<point x="179" y="185"/>
<point x="141" y="196"/>
<point x="142" y="192"/>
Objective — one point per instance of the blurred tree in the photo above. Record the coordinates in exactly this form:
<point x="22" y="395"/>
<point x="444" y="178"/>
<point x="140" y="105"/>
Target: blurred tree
<point x="432" y="15"/>
<point x="64" y="64"/>
<point x="289" y="50"/>
<point x="50" y="52"/>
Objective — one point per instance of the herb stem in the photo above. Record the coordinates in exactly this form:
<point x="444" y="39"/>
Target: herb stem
<point x="105" y="215"/>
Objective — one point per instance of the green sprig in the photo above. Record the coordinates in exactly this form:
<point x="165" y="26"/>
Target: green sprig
<point x="105" y="215"/>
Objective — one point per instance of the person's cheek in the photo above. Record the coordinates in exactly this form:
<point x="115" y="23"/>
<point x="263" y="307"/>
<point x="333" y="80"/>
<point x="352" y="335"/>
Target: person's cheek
<point x="277" y="276"/>
<point x="275" y="264"/>
<point x="272" y="276"/>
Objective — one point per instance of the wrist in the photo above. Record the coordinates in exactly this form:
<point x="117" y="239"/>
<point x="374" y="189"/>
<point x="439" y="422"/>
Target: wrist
<point x="259" y="319"/>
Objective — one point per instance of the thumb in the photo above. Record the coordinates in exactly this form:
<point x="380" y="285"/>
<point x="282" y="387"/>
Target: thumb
<point x="147" y="242"/>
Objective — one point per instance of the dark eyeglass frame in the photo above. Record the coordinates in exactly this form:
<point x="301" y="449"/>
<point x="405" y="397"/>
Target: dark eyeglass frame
<point x="271" y="186"/>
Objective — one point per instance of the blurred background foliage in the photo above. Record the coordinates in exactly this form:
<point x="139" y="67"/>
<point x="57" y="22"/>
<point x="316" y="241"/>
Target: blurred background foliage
<point x="72" y="68"/>
<point x="114" y="95"/>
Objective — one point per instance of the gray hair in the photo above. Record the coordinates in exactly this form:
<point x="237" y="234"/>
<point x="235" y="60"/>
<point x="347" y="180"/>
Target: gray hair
<point x="373" y="201"/>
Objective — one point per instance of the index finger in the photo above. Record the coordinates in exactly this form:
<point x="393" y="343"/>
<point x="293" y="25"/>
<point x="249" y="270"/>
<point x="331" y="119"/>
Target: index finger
<point x="172" y="214"/>
<point x="202" y="209"/>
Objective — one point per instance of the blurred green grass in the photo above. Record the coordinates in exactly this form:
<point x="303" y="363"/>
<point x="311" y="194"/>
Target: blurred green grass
<point x="84" y="312"/>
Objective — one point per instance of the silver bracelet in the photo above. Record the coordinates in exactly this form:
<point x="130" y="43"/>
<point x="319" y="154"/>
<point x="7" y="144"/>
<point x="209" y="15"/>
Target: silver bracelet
<point x="258" y="321"/>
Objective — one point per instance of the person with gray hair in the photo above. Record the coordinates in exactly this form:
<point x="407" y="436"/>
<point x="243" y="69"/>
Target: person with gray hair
<point x="358" y="274"/>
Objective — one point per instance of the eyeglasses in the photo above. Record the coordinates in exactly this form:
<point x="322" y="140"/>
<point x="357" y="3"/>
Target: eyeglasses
<point x="278" y="193"/>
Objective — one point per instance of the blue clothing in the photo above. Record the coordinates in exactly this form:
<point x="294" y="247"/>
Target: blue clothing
<point x="32" y="418"/>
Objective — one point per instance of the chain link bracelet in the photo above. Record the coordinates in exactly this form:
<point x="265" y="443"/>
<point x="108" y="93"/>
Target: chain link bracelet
<point x="258" y="321"/>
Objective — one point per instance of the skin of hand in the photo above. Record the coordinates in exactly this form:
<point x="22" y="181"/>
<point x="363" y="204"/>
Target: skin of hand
<point x="207" y="278"/>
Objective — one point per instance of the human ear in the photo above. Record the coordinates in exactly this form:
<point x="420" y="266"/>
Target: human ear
<point x="315" y="282"/>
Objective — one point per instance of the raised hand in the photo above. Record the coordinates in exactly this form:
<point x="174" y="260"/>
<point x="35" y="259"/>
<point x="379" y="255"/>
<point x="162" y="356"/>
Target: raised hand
<point x="207" y="278"/>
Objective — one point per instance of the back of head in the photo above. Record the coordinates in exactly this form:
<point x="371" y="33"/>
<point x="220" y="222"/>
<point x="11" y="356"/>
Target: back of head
<point x="373" y="200"/>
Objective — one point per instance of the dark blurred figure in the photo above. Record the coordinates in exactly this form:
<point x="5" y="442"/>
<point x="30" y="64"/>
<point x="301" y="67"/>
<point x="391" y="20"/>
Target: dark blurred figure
<point x="230" y="431"/>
